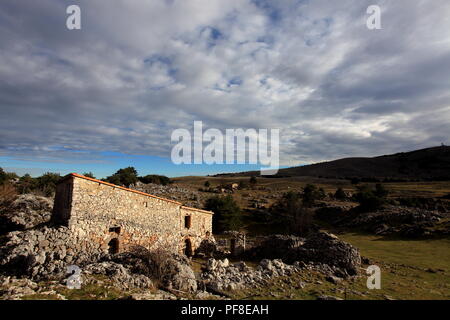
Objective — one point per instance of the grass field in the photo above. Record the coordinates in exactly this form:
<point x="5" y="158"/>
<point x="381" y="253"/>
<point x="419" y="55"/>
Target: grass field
<point x="410" y="270"/>
<point x="397" y="189"/>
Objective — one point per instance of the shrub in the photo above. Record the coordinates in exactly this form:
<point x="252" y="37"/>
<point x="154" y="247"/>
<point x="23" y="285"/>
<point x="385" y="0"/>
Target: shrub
<point x="252" y="180"/>
<point x="243" y="185"/>
<point x="7" y="194"/>
<point x="227" y="214"/>
<point x="207" y="184"/>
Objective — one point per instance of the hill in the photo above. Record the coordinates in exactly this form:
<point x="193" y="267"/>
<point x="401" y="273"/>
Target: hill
<point x="425" y="164"/>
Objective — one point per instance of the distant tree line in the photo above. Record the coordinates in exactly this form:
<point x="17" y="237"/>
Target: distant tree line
<point x="46" y="184"/>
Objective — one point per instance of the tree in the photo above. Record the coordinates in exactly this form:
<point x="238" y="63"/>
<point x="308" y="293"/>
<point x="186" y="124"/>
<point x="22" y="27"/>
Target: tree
<point x="156" y="179"/>
<point x="207" y="184"/>
<point x="2" y="176"/>
<point x="291" y="215"/>
<point x="369" y="199"/>
<point x="311" y="194"/>
<point x="89" y="175"/>
<point x="26" y="184"/>
<point x="340" y="194"/>
<point x="227" y="214"/>
<point x="381" y="191"/>
<point x="125" y="177"/>
<point x="47" y="183"/>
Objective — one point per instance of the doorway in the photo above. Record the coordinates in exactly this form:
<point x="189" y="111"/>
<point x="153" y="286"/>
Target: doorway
<point x="113" y="246"/>
<point x="188" y="248"/>
<point x="232" y="246"/>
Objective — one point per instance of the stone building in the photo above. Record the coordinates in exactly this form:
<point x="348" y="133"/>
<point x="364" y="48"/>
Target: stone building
<point x="106" y="217"/>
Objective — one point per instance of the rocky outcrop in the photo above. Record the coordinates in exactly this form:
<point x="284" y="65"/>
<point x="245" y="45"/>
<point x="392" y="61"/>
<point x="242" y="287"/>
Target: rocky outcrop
<point x="410" y="222"/>
<point x="121" y="276"/>
<point x="220" y="275"/>
<point x="276" y="247"/>
<point x="178" y="274"/>
<point x="318" y="247"/>
<point x="405" y="221"/>
<point x="43" y="253"/>
<point x="168" y="270"/>
<point x="326" y="248"/>
<point x="25" y="212"/>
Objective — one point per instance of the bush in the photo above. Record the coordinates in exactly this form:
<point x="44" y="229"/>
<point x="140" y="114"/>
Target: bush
<point x="156" y="179"/>
<point x="253" y="180"/>
<point x="370" y="199"/>
<point x="227" y="214"/>
<point x="207" y="184"/>
<point x="242" y="185"/>
<point x="124" y="177"/>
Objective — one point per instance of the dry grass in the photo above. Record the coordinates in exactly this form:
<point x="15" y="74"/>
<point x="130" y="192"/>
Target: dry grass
<point x="7" y="194"/>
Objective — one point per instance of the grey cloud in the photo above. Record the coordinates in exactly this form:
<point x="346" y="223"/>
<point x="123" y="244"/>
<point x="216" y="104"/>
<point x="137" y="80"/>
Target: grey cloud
<point x="138" y="70"/>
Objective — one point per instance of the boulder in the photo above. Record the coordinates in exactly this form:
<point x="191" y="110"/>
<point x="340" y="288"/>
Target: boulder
<point x="178" y="274"/>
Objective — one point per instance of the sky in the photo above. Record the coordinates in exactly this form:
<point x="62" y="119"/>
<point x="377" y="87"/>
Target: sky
<point x="109" y="95"/>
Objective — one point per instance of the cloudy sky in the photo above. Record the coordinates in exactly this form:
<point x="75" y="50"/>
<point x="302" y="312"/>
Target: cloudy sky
<point x="109" y="95"/>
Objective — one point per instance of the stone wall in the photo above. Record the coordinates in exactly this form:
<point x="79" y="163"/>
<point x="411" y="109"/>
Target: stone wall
<point x="106" y="217"/>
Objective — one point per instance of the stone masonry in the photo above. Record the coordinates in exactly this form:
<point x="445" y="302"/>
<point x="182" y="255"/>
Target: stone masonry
<point x="103" y="217"/>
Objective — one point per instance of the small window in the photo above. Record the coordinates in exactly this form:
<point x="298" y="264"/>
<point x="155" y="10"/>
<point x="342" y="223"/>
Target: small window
<point x="115" y="230"/>
<point x="187" y="222"/>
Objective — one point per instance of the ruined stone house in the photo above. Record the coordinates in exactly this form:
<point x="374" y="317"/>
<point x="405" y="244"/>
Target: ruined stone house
<point x="105" y="217"/>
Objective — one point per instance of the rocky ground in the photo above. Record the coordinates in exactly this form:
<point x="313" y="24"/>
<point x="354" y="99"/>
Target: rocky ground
<point x="391" y="220"/>
<point x="186" y="196"/>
